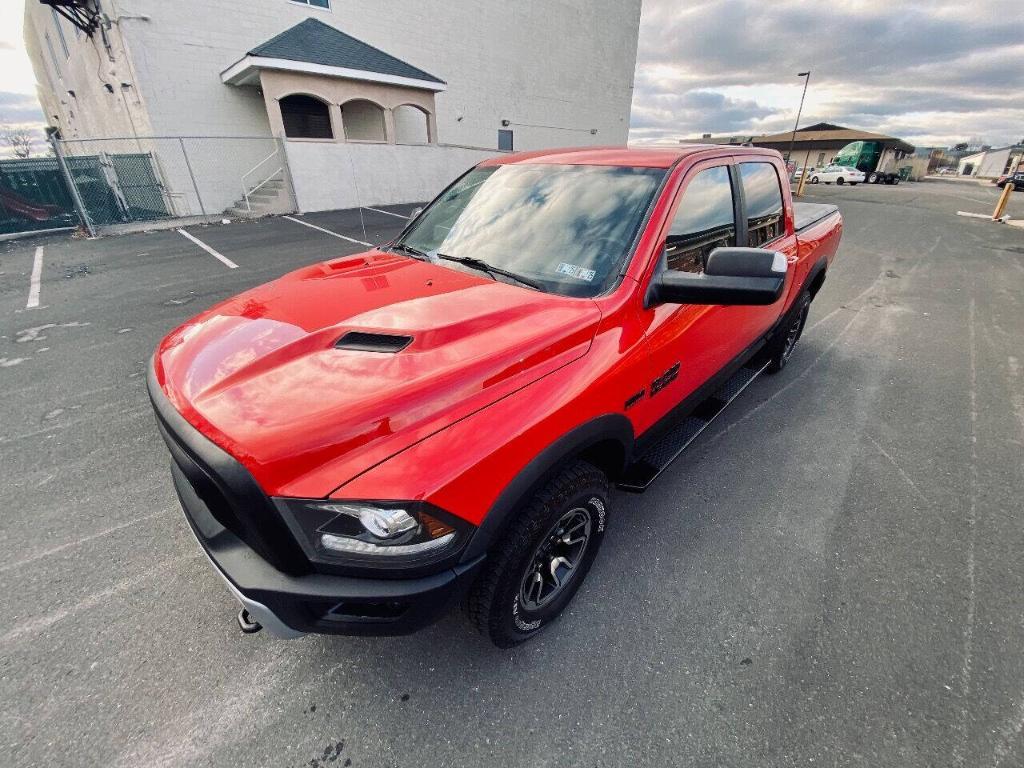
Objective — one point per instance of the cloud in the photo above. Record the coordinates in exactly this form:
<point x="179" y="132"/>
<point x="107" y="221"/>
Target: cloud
<point x="18" y="108"/>
<point x="926" y="68"/>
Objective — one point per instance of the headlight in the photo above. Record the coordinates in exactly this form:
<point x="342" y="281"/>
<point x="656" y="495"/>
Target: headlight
<point x="374" y="534"/>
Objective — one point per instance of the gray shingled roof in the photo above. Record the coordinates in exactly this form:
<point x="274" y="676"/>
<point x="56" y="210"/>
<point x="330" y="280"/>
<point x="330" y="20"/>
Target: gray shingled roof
<point x="318" y="43"/>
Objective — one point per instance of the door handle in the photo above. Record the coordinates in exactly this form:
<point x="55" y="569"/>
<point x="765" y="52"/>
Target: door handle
<point x="792" y="259"/>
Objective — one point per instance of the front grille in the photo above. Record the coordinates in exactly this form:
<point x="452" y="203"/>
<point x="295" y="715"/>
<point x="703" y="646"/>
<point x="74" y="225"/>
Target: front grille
<point x="236" y="501"/>
<point x="207" y="490"/>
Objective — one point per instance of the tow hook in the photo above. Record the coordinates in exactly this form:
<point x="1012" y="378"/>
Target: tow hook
<point x="247" y="624"/>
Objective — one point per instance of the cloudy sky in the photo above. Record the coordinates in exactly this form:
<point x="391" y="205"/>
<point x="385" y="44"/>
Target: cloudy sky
<point x="933" y="72"/>
<point x="18" y="105"/>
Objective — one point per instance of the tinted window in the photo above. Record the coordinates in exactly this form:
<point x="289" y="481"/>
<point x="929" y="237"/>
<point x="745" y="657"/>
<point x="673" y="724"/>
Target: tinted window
<point x="305" y="118"/>
<point x="704" y="221"/>
<point x="567" y="227"/>
<point x="763" y="197"/>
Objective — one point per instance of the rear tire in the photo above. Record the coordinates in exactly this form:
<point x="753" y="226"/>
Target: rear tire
<point x="533" y="572"/>
<point x="781" y="345"/>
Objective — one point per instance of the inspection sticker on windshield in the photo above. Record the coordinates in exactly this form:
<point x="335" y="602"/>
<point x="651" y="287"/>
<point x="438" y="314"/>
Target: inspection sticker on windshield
<point x="580" y="273"/>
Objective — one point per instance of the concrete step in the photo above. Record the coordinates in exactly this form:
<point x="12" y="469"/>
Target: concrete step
<point x="272" y="186"/>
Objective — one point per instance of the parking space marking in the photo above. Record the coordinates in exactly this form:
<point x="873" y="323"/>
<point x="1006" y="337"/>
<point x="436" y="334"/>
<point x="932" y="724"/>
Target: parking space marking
<point x="389" y="213"/>
<point x="328" y="232"/>
<point x="219" y="256"/>
<point x="37" y="274"/>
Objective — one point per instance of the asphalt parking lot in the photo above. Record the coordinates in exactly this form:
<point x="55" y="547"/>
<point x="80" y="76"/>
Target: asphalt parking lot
<point x="831" y="576"/>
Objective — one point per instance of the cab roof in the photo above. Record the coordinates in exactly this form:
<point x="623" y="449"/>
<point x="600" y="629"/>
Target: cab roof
<point x="639" y="157"/>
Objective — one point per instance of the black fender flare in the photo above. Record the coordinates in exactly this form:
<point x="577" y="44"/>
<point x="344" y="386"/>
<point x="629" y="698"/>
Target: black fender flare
<point x="815" y="277"/>
<point x="613" y="427"/>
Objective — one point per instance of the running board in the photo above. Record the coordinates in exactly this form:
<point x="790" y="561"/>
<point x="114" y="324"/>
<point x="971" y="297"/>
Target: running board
<point x="656" y="459"/>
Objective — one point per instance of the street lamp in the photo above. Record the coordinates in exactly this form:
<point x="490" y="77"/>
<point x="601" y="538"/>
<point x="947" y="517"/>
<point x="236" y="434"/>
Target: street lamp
<point x="792" y="140"/>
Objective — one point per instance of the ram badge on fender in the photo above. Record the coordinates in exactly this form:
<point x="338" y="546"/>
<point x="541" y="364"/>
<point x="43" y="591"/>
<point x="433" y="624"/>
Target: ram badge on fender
<point x="367" y="441"/>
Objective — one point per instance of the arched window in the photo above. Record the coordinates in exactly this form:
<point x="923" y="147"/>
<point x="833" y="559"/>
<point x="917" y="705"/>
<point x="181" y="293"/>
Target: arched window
<point x="411" y="125"/>
<point x="363" y="121"/>
<point x="305" y="117"/>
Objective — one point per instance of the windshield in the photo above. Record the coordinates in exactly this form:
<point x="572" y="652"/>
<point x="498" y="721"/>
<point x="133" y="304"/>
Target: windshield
<point x="565" y="228"/>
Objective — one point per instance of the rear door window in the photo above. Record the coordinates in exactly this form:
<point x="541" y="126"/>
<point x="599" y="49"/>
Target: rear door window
<point x="763" y="198"/>
<point x="704" y="220"/>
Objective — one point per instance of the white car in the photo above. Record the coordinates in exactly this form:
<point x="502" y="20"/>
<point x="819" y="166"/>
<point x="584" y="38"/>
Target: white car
<point x="800" y="172"/>
<point x="837" y="173"/>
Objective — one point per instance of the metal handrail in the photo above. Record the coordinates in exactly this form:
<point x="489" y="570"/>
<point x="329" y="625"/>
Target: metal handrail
<point x="246" y="191"/>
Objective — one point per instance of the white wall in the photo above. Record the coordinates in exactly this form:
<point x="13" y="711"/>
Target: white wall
<point x="993" y="163"/>
<point x="331" y="175"/>
<point x="71" y="87"/>
<point x="560" y="63"/>
<point x="972" y="160"/>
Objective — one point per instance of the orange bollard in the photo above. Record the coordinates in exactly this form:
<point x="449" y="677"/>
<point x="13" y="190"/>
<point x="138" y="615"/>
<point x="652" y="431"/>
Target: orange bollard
<point x="1004" y="200"/>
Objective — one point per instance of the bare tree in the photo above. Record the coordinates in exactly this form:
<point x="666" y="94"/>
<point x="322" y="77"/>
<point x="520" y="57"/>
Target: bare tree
<point x="18" y="139"/>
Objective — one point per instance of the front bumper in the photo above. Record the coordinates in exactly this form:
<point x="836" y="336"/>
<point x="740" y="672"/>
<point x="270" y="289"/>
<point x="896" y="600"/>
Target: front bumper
<point x="252" y="550"/>
<point x="289" y="606"/>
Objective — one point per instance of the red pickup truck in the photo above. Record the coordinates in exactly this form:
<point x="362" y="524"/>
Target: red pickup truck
<point x="366" y="441"/>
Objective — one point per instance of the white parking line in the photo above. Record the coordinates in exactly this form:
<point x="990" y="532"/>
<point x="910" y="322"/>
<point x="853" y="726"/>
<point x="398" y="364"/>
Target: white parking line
<point x="37" y="274"/>
<point x="219" y="256"/>
<point x="328" y="232"/>
<point x="389" y="213"/>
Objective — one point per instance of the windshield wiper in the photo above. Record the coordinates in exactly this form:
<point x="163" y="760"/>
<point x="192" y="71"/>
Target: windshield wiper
<point x="414" y="252"/>
<point x="490" y="269"/>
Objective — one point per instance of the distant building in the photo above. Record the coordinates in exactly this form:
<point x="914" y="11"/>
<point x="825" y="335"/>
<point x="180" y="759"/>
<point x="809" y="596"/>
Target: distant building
<point x="991" y="163"/>
<point x="816" y="145"/>
<point x="434" y="87"/>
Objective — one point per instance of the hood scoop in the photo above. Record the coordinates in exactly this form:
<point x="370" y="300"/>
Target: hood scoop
<point x="360" y="341"/>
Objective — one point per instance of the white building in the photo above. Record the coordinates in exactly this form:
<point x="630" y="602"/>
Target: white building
<point x="393" y="98"/>
<point x="991" y="163"/>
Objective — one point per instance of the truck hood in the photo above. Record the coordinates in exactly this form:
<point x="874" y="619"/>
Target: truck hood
<point x="266" y="376"/>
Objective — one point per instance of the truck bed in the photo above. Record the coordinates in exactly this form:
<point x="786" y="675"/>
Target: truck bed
<point x="806" y="214"/>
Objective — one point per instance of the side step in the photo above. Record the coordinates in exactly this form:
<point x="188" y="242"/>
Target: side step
<point x="656" y="459"/>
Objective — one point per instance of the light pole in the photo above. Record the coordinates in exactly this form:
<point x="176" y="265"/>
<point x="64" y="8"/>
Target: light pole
<point x="792" y="140"/>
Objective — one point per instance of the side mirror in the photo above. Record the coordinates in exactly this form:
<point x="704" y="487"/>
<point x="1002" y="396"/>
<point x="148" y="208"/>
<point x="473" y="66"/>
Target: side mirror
<point x="753" y="276"/>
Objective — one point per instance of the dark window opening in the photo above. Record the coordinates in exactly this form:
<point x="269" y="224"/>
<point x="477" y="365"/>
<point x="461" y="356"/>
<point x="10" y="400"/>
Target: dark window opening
<point x="504" y="140"/>
<point x="305" y="118"/>
<point x="763" y="198"/>
<point x="704" y="220"/>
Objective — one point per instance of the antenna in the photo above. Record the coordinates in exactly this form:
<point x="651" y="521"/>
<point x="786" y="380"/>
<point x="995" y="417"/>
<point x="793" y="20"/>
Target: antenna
<point x="84" y="14"/>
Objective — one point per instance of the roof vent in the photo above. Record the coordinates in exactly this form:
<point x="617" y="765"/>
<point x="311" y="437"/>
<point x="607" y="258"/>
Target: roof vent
<point x="373" y="342"/>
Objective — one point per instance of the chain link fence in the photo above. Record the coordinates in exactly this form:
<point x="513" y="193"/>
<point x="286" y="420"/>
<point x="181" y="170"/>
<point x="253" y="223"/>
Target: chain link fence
<point x="34" y="196"/>
<point x="123" y="183"/>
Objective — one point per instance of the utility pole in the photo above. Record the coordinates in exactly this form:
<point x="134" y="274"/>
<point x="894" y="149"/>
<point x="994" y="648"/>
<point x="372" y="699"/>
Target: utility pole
<point x="807" y="78"/>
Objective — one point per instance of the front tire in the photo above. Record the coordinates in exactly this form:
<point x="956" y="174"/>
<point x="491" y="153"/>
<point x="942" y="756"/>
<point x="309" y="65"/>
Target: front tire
<point x="533" y="572"/>
<point x="781" y="346"/>
<point x="814" y="179"/>
<point x="840" y="181"/>
<point x="873" y="178"/>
